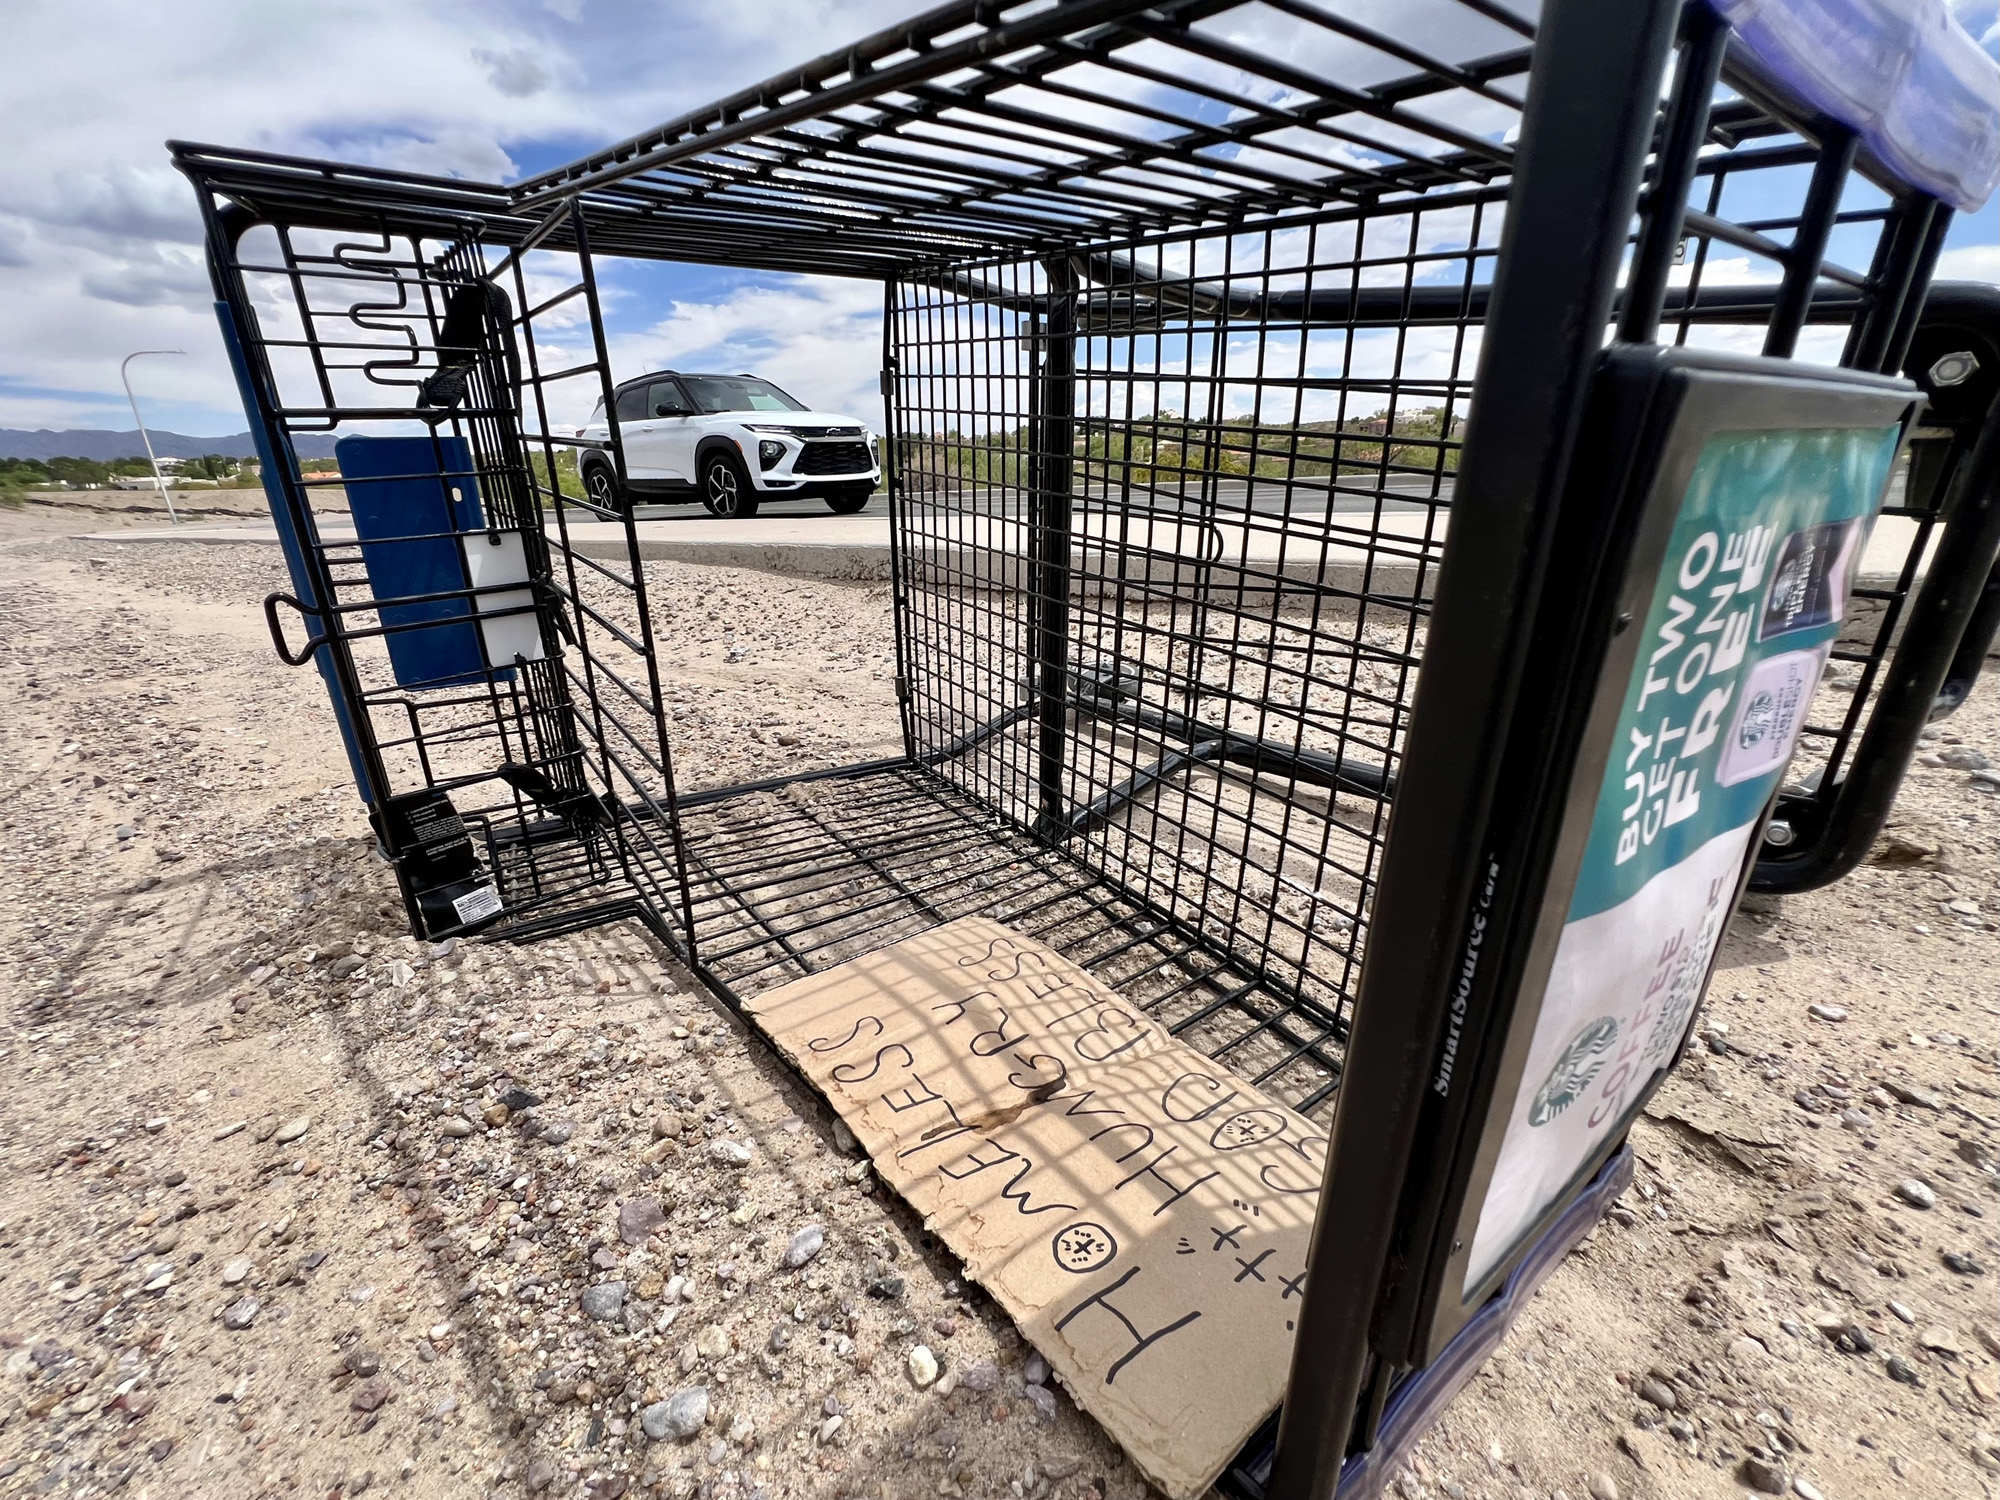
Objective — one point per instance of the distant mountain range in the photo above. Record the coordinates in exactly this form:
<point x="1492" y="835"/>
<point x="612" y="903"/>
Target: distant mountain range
<point x="102" y="444"/>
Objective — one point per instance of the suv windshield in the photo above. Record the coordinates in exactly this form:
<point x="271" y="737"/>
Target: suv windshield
<point x="738" y="393"/>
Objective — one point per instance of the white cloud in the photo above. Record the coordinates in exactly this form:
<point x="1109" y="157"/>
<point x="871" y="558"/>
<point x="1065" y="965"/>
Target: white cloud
<point x="99" y="243"/>
<point x="1723" y="269"/>
<point x="516" y="73"/>
<point x="125" y="201"/>
<point x="154" y="275"/>
<point x="448" y="152"/>
<point x="13" y="243"/>
<point x="1970" y="263"/>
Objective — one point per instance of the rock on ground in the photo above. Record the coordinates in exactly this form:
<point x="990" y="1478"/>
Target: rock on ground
<point x="679" y="1417"/>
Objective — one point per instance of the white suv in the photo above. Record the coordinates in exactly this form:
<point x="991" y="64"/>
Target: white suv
<point x="728" y="441"/>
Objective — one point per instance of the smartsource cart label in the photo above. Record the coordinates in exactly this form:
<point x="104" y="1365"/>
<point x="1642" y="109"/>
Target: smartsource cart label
<point x="1748" y="601"/>
<point x="477" y="905"/>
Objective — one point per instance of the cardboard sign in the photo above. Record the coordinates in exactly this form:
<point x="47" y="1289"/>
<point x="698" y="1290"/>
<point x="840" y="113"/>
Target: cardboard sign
<point x="1141" y="1213"/>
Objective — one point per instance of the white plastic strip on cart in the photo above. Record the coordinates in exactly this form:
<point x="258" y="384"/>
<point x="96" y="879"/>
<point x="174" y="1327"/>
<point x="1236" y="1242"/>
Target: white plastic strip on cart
<point x="1922" y="93"/>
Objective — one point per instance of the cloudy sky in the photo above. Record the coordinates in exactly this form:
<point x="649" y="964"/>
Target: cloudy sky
<point x="99" y="243"/>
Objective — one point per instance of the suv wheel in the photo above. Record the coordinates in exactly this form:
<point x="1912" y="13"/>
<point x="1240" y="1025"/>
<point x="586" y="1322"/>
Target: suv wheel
<point x="725" y="488"/>
<point x="850" y="499"/>
<point x="600" y="486"/>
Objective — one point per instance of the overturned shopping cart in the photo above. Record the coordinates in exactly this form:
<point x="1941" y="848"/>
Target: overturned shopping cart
<point x="1477" y="416"/>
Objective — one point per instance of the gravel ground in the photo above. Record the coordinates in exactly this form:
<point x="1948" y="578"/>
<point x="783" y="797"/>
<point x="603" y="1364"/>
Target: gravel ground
<point x="294" y="1204"/>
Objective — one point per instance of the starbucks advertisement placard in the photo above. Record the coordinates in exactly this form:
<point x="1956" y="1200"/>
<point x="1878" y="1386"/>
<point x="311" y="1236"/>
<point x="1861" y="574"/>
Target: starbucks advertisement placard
<point x="1748" y="599"/>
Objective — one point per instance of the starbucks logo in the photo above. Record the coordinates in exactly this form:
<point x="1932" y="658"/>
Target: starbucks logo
<point x="1580" y="1062"/>
<point x="1760" y="717"/>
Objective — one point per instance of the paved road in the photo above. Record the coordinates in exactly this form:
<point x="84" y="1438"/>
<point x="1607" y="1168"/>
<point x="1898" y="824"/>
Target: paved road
<point x="1264" y="496"/>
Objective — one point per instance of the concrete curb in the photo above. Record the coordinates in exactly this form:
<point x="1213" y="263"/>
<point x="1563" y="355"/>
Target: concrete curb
<point x="841" y="562"/>
<point x="952" y="563"/>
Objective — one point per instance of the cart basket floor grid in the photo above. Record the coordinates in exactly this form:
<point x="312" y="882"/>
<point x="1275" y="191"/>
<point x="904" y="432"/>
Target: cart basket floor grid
<point x="793" y="878"/>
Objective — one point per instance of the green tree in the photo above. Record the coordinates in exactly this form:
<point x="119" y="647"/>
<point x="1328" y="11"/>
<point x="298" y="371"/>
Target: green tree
<point x="21" y="474"/>
<point x="209" y="466"/>
<point x="78" y="472"/>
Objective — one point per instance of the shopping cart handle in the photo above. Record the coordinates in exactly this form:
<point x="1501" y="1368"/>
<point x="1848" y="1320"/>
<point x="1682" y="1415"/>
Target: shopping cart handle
<point x="313" y="642"/>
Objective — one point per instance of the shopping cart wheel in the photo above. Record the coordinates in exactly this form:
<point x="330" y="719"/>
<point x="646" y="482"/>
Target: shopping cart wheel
<point x="725" y="488"/>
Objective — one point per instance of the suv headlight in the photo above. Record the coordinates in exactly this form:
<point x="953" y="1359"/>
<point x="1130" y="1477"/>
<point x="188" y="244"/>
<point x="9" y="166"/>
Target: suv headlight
<point x="769" y="453"/>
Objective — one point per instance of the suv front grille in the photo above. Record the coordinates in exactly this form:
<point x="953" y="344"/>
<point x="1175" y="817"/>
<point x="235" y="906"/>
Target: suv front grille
<point x="833" y="458"/>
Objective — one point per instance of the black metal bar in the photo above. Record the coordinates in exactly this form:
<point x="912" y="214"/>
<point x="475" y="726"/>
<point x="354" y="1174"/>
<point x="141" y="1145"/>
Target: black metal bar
<point x="1808" y="249"/>
<point x="1106" y="805"/>
<point x="560" y="716"/>
<point x="1759" y="244"/>
<point x="1973" y="648"/>
<point x="1898" y="255"/>
<point x="981" y="735"/>
<point x="811" y="92"/>
<point x="796" y="778"/>
<point x="554" y="220"/>
<point x="1054" y="445"/>
<point x="1333" y="771"/>
<point x="304" y="555"/>
<point x="1916" y="288"/>
<point x="1588" y="123"/>
<point x="891" y="454"/>
<point x="1939" y="619"/>
<point x="648" y="651"/>
<point x="1700" y="64"/>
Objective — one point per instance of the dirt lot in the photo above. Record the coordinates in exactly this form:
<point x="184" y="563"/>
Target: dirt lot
<point x="270" y="1224"/>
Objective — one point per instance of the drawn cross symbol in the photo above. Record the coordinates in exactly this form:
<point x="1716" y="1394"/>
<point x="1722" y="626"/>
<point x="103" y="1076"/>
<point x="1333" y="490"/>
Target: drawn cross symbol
<point x="1250" y="1266"/>
<point x="1226" y="1237"/>
<point x="1083" y="1248"/>
<point x="1291" y="1286"/>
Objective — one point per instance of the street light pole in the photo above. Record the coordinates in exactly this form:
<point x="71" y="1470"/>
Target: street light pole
<point x="173" y="519"/>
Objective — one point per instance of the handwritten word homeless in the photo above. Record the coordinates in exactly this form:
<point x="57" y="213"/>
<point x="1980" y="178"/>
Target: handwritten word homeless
<point x="1140" y="1212"/>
